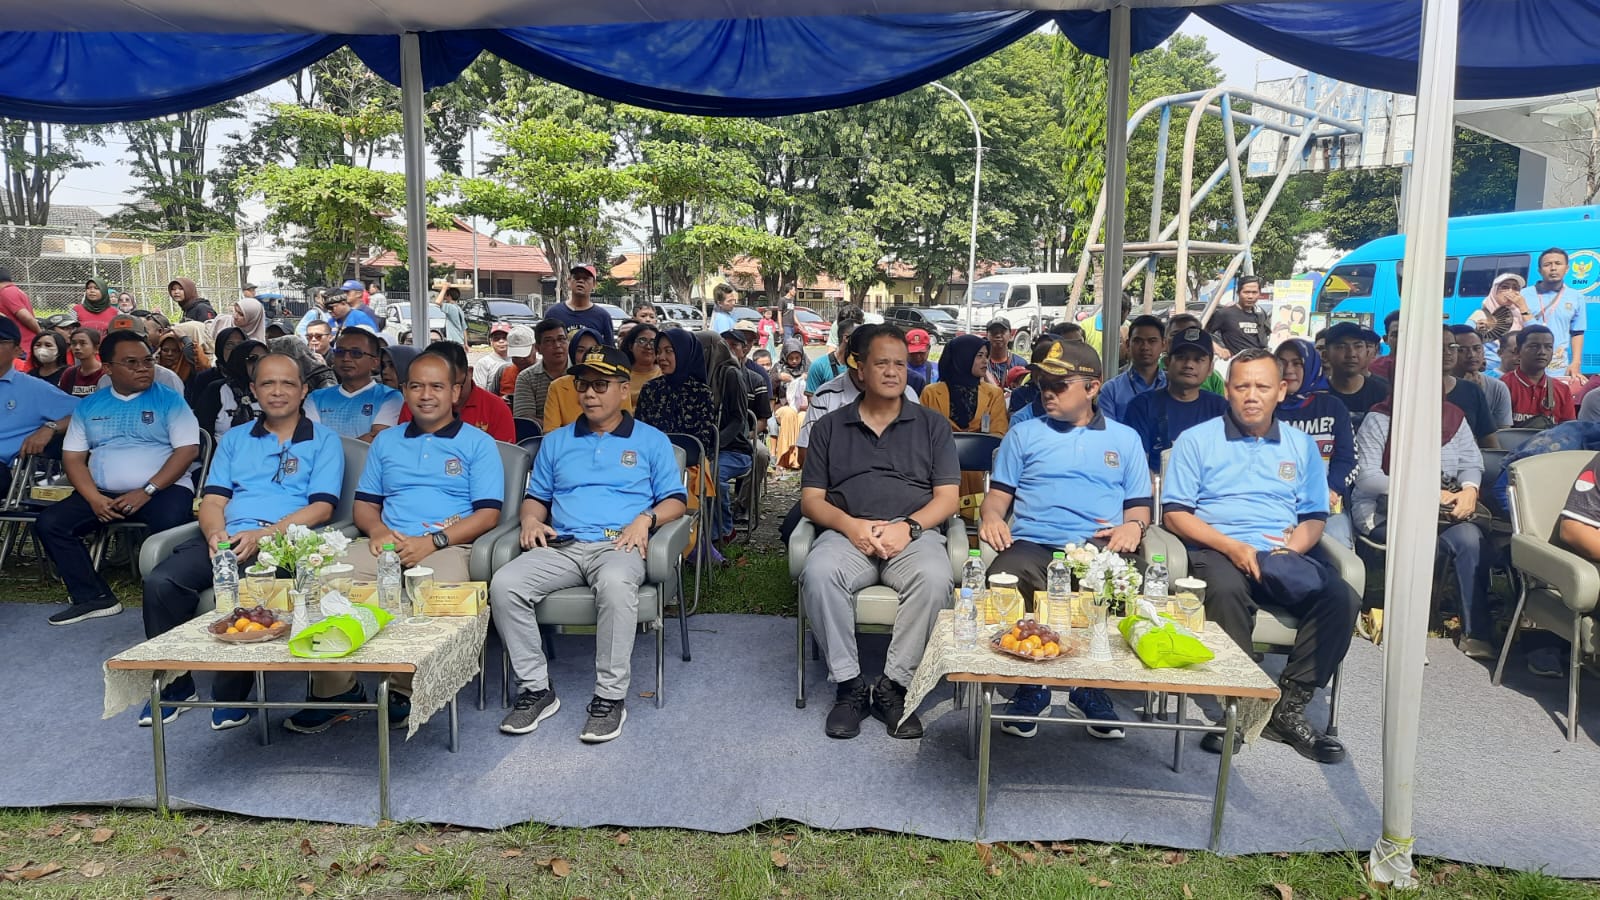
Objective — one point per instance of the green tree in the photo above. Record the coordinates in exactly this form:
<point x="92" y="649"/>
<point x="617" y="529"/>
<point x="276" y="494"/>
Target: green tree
<point x="167" y="163"/>
<point x="328" y="216"/>
<point x="35" y="157"/>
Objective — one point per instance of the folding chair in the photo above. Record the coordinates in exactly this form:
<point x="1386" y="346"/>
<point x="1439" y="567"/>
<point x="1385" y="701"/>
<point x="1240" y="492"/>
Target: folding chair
<point x="527" y="428"/>
<point x="136" y="531"/>
<point x="695" y="455"/>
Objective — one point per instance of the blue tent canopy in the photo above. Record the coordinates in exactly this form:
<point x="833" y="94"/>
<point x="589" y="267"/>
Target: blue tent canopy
<point x="775" y="66"/>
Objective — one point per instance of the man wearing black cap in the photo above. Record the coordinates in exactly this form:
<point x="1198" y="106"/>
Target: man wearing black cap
<point x="1160" y="416"/>
<point x="881" y="479"/>
<point x="578" y="310"/>
<point x="599" y="488"/>
<point x="1348" y="348"/>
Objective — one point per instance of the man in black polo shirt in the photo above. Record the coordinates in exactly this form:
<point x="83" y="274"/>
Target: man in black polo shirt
<point x="881" y="478"/>
<point x="1243" y="325"/>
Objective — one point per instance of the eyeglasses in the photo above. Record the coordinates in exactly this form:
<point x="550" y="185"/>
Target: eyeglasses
<point x="599" y="385"/>
<point x="286" y="462"/>
<point x="254" y="358"/>
<point x="353" y="353"/>
<point x="146" y="362"/>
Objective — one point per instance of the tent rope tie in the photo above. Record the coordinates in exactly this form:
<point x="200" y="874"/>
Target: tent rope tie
<point x="1402" y="846"/>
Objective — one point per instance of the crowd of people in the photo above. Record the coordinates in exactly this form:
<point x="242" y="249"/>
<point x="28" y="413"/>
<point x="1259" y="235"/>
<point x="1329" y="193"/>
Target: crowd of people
<point x="1255" y="464"/>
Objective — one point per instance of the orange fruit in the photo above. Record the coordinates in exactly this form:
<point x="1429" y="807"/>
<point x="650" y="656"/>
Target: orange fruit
<point x="241" y="622"/>
<point x="1052" y="649"/>
<point x="231" y="630"/>
<point x="1009" y="641"/>
<point x="255" y="626"/>
<point x="1032" y="642"/>
<point x="1038" y="653"/>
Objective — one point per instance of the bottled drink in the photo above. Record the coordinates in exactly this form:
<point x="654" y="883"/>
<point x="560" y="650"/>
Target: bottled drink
<point x="1155" y="577"/>
<point x="966" y="623"/>
<point x="389" y="593"/>
<point x="1058" y="593"/>
<point x="225" y="576"/>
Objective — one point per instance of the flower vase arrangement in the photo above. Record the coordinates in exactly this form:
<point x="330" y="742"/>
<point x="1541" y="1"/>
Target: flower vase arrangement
<point x="1115" y="582"/>
<point x="305" y="553"/>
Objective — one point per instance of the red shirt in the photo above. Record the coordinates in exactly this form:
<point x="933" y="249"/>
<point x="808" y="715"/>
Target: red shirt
<point x="74" y="382"/>
<point x="485" y="411"/>
<point x="12" y="299"/>
<point x="1383" y="367"/>
<point x="100" y="321"/>
<point x="1544" y="396"/>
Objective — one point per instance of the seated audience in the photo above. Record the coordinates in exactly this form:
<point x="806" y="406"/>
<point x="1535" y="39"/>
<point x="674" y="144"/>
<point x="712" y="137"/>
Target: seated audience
<point x="519" y="350"/>
<point x="1161" y="416"/>
<point x="920" y="370"/>
<point x="486" y="369"/>
<point x="283" y="470"/>
<point x="1182" y="322"/>
<point x="1383" y="366"/>
<point x="970" y="404"/>
<point x="232" y="401"/>
<point x="600" y="488"/>
<point x="1537" y="400"/>
<point x="32" y="413"/>
<point x="164" y="376"/>
<point x="1248" y="496"/>
<point x="734" y="450"/>
<point x="430" y="489"/>
<point x="680" y="401"/>
<point x="1466" y="395"/>
<point x="1065" y="476"/>
<point x="561" y="405"/>
<point x="129" y="452"/>
<point x="49" y="355"/>
<point x="1147" y="341"/>
<point x="319" y="337"/>
<point x="640" y="346"/>
<point x="533" y="383"/>
<point x="880" y="481"/>
<point x="358" y="406"/>
<point x="1308" y="407"/>
<point x="839" y="392"/>
<point x="1470" y="366"/>
<point x="1349" y="350"/>
<point x="83" y="378"/>
<point x="999" y="360"/>
<point x="830" y="365"/>
<point x="474" y="405"/>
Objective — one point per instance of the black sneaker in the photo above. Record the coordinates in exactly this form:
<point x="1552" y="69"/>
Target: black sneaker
<point x="851" y="704"/>
<point x="889" y="704"/>
<point x="316" y="721"/>
<point x="80" y="612"/>
<point x="1212" y="742"/>
<point x="605" y="721"/>
<point x="532" y="708"/>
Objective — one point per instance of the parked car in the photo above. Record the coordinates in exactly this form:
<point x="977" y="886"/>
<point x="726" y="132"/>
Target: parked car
<point x="399" y="330"/>
<point x="1031" y="301"/>
<point x="483" y="312"/>
<point x="617" y="313"/>
<point x="812" y="327"/>
<point x="682" y="315"/>
<point x="939" y="325"/>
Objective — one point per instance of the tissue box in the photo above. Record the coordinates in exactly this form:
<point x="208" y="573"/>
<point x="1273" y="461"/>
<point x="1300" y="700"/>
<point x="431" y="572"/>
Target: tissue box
<point x="50" y="493"/>
<point x="458" y="598"/>
<point x="364" y="592"/>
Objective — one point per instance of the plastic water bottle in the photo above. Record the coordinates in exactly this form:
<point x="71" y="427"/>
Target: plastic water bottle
<point x="1155" y="577"/>
<point x="966" y="623"/>
<point x="389" y="593"/>
<point x="225" y="576"/>
<point x="1058" y="592"/>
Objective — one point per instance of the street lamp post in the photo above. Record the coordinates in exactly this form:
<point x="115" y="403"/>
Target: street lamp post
<point x="977" y="177"/>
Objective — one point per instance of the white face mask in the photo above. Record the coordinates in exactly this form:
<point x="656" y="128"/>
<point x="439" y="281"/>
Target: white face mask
<point x="45" y="353"/>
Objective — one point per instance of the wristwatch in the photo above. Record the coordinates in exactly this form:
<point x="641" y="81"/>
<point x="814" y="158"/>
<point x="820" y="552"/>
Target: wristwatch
<point x="912" y="524"/>
<point x="150" y="489"/>
<point x="52" y="426"/>
<point x="652" y="514"/>
<point x="440" y="539"/>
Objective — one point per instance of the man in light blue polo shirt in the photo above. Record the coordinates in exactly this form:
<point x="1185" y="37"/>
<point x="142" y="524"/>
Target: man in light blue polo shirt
<point x="128" y="453"/>
<point x="600" y="487"/>
<point x="430" y="488"/>
<point x="1248" y="495"/>
<point x="359" y="406"/>
<point x="1561" y="309"/>
<point x="32" y="411"/>
<point x="283" y="470"/>
<point x="1071" y="475"/>
<point x="1147" y="340"/>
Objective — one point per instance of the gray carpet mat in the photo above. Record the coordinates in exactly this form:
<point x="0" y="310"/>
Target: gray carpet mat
<point x="1498" y="783"/>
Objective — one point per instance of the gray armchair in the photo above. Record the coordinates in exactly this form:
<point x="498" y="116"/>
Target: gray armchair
<point x="517" y="462"/>
<point x="1558" y="589"/>
<point x="875" y="605"/>
<point x="355" y="462"/>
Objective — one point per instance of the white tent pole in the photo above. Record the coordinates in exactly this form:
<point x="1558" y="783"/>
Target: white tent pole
<point x="1414" y="481"/>
<point x="1118" y="64"/>
<point x="977" y="177"/>
<point x="416" y="152"/>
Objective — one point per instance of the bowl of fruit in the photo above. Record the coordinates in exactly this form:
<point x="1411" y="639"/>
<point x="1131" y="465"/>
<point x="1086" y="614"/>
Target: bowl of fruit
<point x="252" y="625"/>
<point x="1031" y="641"/>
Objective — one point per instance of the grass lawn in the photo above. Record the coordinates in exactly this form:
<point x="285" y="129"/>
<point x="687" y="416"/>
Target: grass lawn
<point x="87" y="853"/>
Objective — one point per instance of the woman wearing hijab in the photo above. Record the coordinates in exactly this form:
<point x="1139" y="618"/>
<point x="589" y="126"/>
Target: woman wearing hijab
<point x="125" y="303"/>
<point x="395" y="364"/>
<point x="49" y="355"/>
<point x="250" y="316"/>
<point x="1309" y="407"/>
<point x="789" y="386"/>
<point x="640" y="345"/>
<point x="970" y="403"/>
<point x="735" y="453"/>
<point x="561" y="406"/>
<point x="203" y="393"/>
<point x="1503" y="312"/>
<point x="95" y="310"/>
<point x="680" y="402"/>
<point x="236" y="394"/>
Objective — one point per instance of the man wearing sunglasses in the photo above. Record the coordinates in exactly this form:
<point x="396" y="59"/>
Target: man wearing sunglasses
<point x="600" y="486"/>
<point x="128" y="452"/>
<point x="1071" y="475"/>
<point x="283" y="470"/>
<point x="360" y="405"/>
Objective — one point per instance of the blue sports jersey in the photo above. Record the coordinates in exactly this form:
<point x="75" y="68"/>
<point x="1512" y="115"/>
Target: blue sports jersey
<point x="26" y="403"/>
<point x="129" y="439"/>
<point x="1070" y="482"/>
<point x="427" y="482"/>
<point x="353" y="415"/>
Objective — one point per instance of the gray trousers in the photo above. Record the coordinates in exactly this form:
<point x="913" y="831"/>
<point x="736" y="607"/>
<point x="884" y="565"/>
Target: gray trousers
<point x="522" y="584"/>
<point x="835" y="570"/>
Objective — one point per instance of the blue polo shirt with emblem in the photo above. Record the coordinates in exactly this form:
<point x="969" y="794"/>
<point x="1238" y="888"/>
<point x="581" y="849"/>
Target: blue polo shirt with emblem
<point x="426" y="482"/>
<point x="26" y="403"/>
<point x="595" y="484"/>
<point x="1070" y="481"/>
<point x="130" y="437"/>
<point x="1250" y="489"/>
<point x="353" y="415"/>
<point x="264" y="479"/>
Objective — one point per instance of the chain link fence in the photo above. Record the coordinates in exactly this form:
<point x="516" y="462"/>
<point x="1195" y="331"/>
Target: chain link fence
<point x="51" y="264"/>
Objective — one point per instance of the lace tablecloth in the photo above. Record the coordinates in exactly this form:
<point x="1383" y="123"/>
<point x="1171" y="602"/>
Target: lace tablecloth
<point x="1231" y="670"/>
<point x="445" y="651"/>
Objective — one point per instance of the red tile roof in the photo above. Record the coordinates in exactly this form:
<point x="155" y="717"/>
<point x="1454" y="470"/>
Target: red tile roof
<point x="453" y="246"/>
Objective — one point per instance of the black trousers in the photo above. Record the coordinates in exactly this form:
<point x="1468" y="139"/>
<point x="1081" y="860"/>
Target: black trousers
<point x="1030" y="562"/>
<point x="62" y="527"/>
<point x="1327" y="614"/>
<point x="171" y="597"/>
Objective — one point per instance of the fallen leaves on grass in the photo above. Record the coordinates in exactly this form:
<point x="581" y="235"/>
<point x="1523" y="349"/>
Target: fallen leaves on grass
<point x="1285" y="892"/>
<point x="93" y="869"/>
<point x="986" y="857"/>
<point x="375" y="864"/>
<point x="83" y="820"/>
<point x="1019" y="856"/>
<point x="306" y="849"/>
<point x="1444" y="874"/>
<point x="306" y="888"/>
<point x="560" y="868"/>
<point x="623" y="839"/>
<point x="422" y="848"/>
<point x="55" y="830"/>
<point x="512" y="853"/>
<point x="172" y="854"/>
<point x="780" y="859"/>
<point x="101" y="835"/>
<point x="1188" y="892"/>
<point x="38" y="872"/>
<point x="1174" y="858"/>
<point x="200" y="829"/>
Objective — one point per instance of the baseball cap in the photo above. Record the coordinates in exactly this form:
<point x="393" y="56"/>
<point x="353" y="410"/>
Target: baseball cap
<point x="127" y="323"/>
<point x="352" y="285"/>
<point x="743" y="331"/>
<point x="500" y="328"/>
<point x="1069" y="358"/>
<point x="917" y="341"/>
<point x="603" y="361"/>
<point x="584" y="269"/>
<point x="1191" y="337"/>
<point x="519" y="340"/>
<point x="60" y="320"/>
<point x="1349" y="331"/>
<point x="9" y="330"/>
<point x="997" y="326"/>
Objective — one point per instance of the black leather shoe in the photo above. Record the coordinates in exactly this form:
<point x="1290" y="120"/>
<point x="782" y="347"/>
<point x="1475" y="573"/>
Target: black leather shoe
<point x="1211" y="742"/>
<point x="889" y="704"/>
<point x="1288" y="725"/>
<point x="850" y="706"/>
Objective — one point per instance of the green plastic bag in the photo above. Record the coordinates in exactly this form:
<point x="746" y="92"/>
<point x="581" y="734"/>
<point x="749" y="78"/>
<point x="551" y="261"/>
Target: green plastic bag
<point x="1161" y="643"/>
<point x="340" y="634"/>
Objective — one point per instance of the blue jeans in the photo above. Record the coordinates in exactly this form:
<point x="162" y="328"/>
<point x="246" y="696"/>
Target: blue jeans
<point x="1338" y="527"/>
<point x="730" y="465"/>
<point x="1463" y="543"/>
